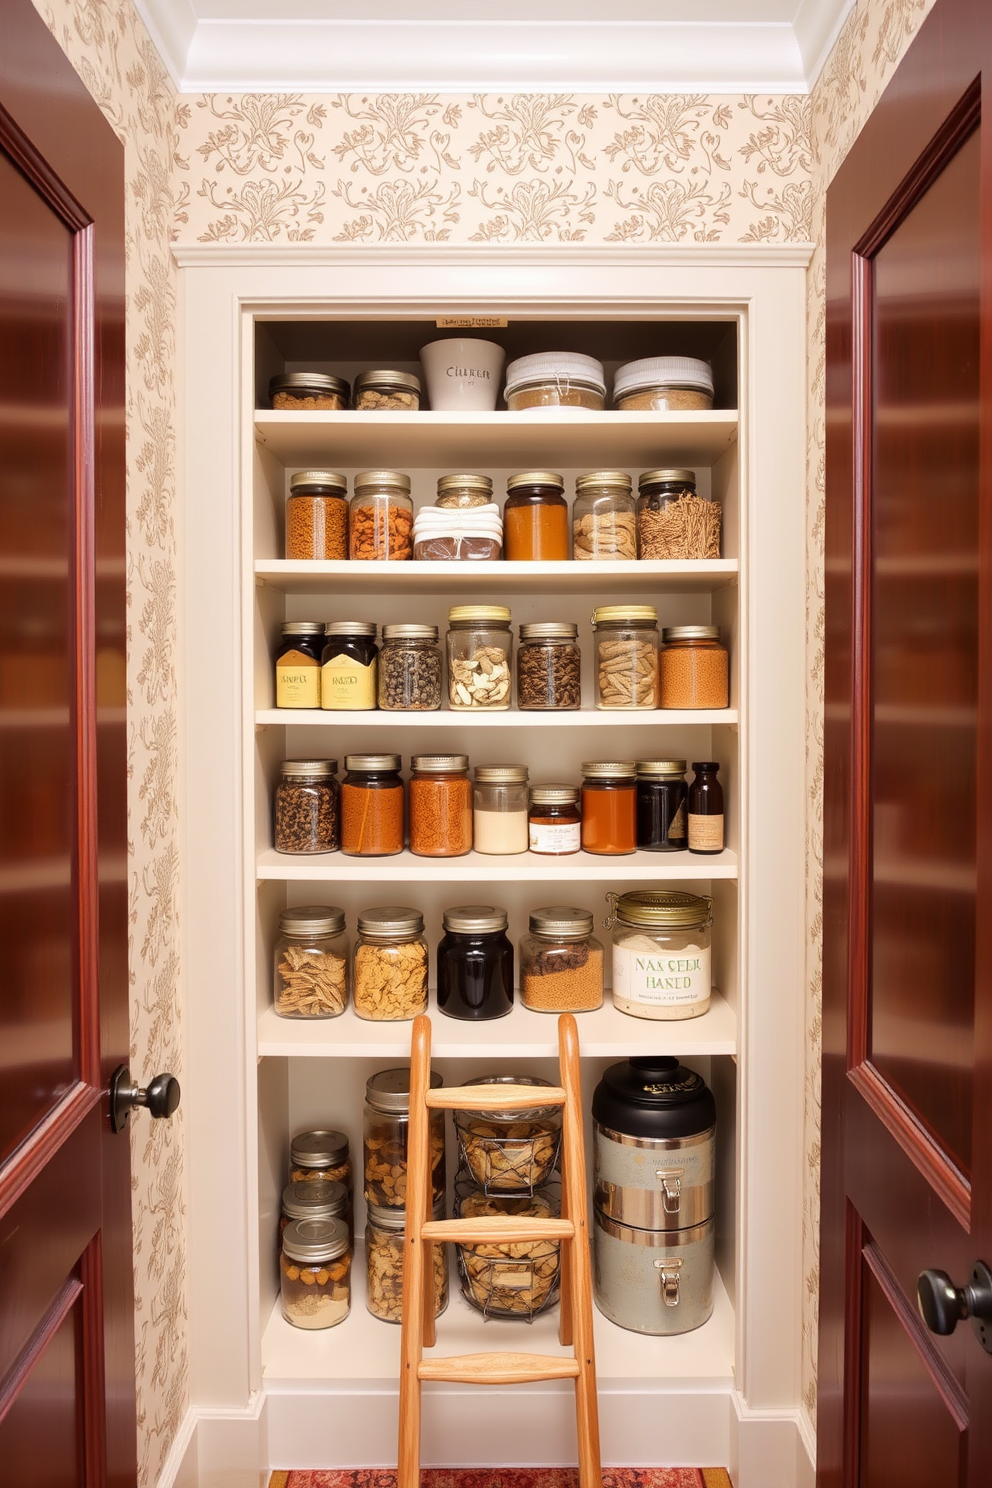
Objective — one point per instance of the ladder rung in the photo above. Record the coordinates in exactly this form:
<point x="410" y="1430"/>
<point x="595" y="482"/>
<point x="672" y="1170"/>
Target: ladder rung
<point x="498" y="1369"/>
<point x="495" y="1097"/>
<point x="497" y="1229"/>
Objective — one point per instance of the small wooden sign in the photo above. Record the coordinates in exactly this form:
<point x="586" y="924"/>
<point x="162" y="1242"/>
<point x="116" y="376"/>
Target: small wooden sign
<point x="470" y="322"/>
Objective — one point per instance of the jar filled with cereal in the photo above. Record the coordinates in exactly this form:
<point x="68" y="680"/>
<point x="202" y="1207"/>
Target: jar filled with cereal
<point x="390" y="965"/>
<point x="308" y="392"/>
<point x="311" y="962"/>
<point x="385" y="1245"/>
<point x="515" y="1279"/>
<point x="315" y="1273"/>
<point x="381" y="517"/>
<point x="387" y="1119"/>
<point x="509" y="1151"/>
<point x="320" y="1156"/>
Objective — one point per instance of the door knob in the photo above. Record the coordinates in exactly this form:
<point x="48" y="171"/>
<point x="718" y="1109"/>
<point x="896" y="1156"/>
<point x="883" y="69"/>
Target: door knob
<point x="943" y="1305"/>
<point x="160" y="1096"/>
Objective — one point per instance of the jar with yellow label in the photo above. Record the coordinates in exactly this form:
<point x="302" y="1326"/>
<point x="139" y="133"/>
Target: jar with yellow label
<point x="298" y="664"/>
<point x="349" y="674"/>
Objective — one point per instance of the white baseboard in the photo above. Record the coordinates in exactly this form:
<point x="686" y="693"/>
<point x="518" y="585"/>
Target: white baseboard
<point x="768" y="1449"/>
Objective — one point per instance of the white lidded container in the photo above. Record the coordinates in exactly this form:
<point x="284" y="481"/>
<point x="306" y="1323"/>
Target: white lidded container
<point x="555" y="379"/>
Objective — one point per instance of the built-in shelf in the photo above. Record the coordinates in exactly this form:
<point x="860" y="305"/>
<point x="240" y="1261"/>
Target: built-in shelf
<point x="486" y="718"/>
<point x="580" y="867"/>
<point x="676" y="576"/>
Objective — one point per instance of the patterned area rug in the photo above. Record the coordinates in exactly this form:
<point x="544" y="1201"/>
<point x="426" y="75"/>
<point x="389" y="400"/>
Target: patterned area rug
<point x="504" y="1477"/>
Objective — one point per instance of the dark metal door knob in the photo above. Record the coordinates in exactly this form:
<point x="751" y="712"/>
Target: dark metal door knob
<point x="943" y="1305"/>
<point x="160" y="1096"/>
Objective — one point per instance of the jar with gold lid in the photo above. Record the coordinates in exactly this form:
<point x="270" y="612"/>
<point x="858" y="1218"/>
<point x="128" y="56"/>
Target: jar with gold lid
<point x="464" y="491"/>
<point x="381" y="517"/>
<point x="383" y="388"/>
<point x="604" y="519"/>
<point x="317" y="515"/>
<point x="535" y="518"/>
<point x="661" y="953"/>
<point x="626" y="656"/>
<point x="479" y="644"/>
<point x="693" y="668"/>
<point x="672" y="520"/>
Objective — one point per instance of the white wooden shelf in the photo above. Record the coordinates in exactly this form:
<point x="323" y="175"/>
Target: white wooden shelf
<point x="547" y="437"/>
<point x="522" y="1034"/>
<point x="512" y="718"/>
<point x="580" y="867"/>
<point x="678" y="576"/>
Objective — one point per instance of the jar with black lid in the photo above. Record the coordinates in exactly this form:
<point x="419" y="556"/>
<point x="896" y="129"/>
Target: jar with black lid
<point x="535" y="518"/>
<point x="661" y="805"/>
<point x="349" y="673"/>
<point x="317" y="516"/>
<point x="672" y="520"/>
<point x="554" y="820"/>
<point x="372" y="800"/>
<point x="549" y="666"/>
<point x="306" y="811"/>
<point x="313" y="392"/>
<point x="475" y="964"/>
<point x="297" y="664"/>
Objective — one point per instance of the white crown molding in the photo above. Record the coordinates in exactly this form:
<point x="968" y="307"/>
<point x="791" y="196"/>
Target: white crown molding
<point x="817" y="26"/>
<point x="586" y="255"/>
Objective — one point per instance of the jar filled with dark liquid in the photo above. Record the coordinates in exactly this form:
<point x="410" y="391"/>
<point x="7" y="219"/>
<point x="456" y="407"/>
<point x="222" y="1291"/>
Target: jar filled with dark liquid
<point x="705" y="809"/>
<point x="661" y="805"/>
<point x="475" y="964"/>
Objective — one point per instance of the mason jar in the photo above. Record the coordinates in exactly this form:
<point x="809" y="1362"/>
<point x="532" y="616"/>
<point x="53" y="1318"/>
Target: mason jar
<point x="475" y="964"/>
<point x="480" y="644"/>
<point x="383" y="388"/>
<point x="387" y="1123"/>
<point x="319" y="1199"/>
<point x="626" y="656"/>
<point x="561" y="962"/>
<point x="410" y="669"/>
<point x="661" y="805"/>
<point x="318" y="1156"/>
<point x="672" y="521"/>
<point x="693" y="668"/>
<point x="385" y="1247"/>
<point x="317" y="515"/>
<point x="535" y="518"/>
<point x="463" y="492"/>
<point x="349" y="666"/>
<point x="297" y="664"/>
<point x="661" y="953"/>
<point x="372" y="806"/>
<point x="555" y="379"/>
<point x="604" y="517"/>
<point x="609" y="807"/>
<point x="306" y="807"/>
<point x="500" y="809"/>
<point x="315" y="1273"/>
<point x="549" y="667"/>
<point x="314" y="392"/>
<point x="554" y="822"/>
<point x="311" y="962"/>
<point x="380" y="522"/>
<point x="390" y="965"/>
<point x="440" y="795"/>
<point x="673" y="384"/>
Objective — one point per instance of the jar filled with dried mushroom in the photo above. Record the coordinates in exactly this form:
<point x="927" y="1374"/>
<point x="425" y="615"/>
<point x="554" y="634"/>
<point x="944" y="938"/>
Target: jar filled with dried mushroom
<point x="626" y="656"/>
<point x="672" y="521"/>
<point x="315" y="1273"/>
<point x="380" y="521"/>
<point x="673" y="384"/>
<point x="317" y="515"/>
<point x="385" y="1245"/>
<point x="306" y="807"/>
<point x="319" y="1156"/>
<point x="390" y="965"/>
<point x="604" y="518"/>
<point x="311" y="962"/>
<point x="480" y="644"/>
<point x="387" y="1118"/>
<point x="313" y="392"/>
<point x="549" y="666"/>
<point x="507" y="1151"/>
<point x="514" y="1279"/>
<point x="387" y="389"/>
<point x="317" y="1199"/>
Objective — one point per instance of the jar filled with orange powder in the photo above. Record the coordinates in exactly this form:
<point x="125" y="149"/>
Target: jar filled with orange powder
<point x="535" y="518"/>
<point x="609" y="807"/>
<point x="440" y="806"/>
<point x="693" y="668"/>
<point x="372" y="806"/>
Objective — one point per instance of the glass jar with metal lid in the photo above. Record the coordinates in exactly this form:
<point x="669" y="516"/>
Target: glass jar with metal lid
<point x="320" y="1156"/>
<point x="297" y="664"/>
<point x="380" y="521"/>
<point x="410" y="669"/>
<point x="315" y="1273"/>
<point x="316" y="392"/>
<point x="661" y="953"/>
<point x="372" y="806"/>
<point x="440" y="795"/>
<point x="500" y="808"/>
<point x="626" y="656"/>
<point x="661" y="805"/>
<point x="555" y="379"/>
<point x="480" y="644"/>
<point x="509" y="1151"/>
<point x="604" y="519"/>
<point x="535" y="518"/>
<point x="464" y="491"/>
<point x="349" y="666"/>
<point x="390" y="965"/>
<point x="385" y="1246"/>
<point x="672" y="520"/>
<point x="549" y="666"/>
<point x="311" y="962"/>
<point x="561" y="961"/>
<point x="306" y="807"/>
<point x="317" y="515"/>
<point x="382" y="388"/>
<point x="609" y="807"/>
<point x="320" y="1198"/>
<point x="517" y="1279"/>
<point x="693" y="668"/>
<point x="676" y="384"/>
<point x="554" y="823"/>
<point x="475" y="964"/>
<point x="387" y="1120"/>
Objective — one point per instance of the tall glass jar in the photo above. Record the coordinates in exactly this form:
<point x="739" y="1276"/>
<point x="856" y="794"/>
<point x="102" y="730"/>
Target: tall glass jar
<point x="320" y="1156"/>
<point x="693" y="668"/>
<point x="475" y="964"/>
<point x="661" y="805"/>
<point x="440" y="806"/>
<point x="381" y="517"/>
<point x="609" y="807"/>
<point x="535" y="518"/>
<point x="661" y="953"/>
<point x="410" y="669"/>
<point x="517" y="1280"/>
<point x="317" y="515"/>
<point x="372" y="806"/>
<point x="306" y="807"/>
<point x="311" y="962"/>
<point x="500" y="809"/>
<point x="561" y="962"/>
<point x="385" y="1246"/>
<point x="604" y="519"/>
<point x="626" y="656"/>
<point x="349" y="666"/>
<point x="549" y="666"/>
<point x="672" y="521"/>
<point x="480" y="644"/>
<point x="554" y="822"/>
<point x="315" y="1273"/>
<point x="390" y="965"/>
<point x="387" y="1121"/>
<point x="297" y="666"/>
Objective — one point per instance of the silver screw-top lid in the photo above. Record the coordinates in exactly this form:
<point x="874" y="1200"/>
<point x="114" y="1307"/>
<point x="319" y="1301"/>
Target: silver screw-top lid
<point x="608" y="769"/>
<point x="474" y="919"/>
<point x="331" y="478"/>
<point x="501" y="774"/>
<point x="562" y="921"/>
<point x="409" y="632"/>
<point x="394" y="478"/>
<point x="311" y="919"/>
<point x="381" y="377"/>
<point x="690" y="633"/>
<point x="350" y="627"/>
<point x="315" y="1198"/>
<point x="301" y="382"/>
<point x="302" y="627"/>
<point x="389" y="1090"/>
<point x="315" y="1239"/>
<point x="393" y="919"/>
<point x="315" y="768"/>
<point x="372" y="764"/>
<point x="549" y="630"/>
<point x="554" y="795"/>
<point x="395" y="1219"/>
<point x="318" y="1149"/>
<point x="660" y="767"/>
<point x="439" y="764"/>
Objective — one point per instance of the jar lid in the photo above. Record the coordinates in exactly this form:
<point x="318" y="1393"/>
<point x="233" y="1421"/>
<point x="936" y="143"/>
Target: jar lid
<point x="608" y="769"/>
<point x="476" y="614"/>
<point x="409" y="632"/>
<point x="372" y="762"/>
<point x="380" y="377"/>
<point x="318" y="478"/>
<point x="530" y="1113"/>
<point x="303" y="627"/>
<point x="663" y="371"/>
<point x="623" y="614"/>
<point x="674" y="477"/>
<point x="549" y="630"/>
<point x="309" y="767"/>
<point x="555" y="366"/>
<point x="394" y="919"/>
<point x="653" y="1095"/>
<point x="474" y="919"/>
<point x="562" y="920"/>
<point x="554" y="795"/>
<point x="303" y="1200"/>
<point x="500" y="774"/>
<point x="618" y="478"/>
<point x="382" y="478"/>
<point x="709" y="767"/>
<point x="661" y="909"/>
<point x="690" y="633"/>
<point x="439" y="764"/>
<point x="389" y="1090"/>
<point x="318" y="382"/>
<point x="312" y="919"/>
<point x="395" y="1219"/>
<point x="318" y="1149"/>
<point x="350" y="627"/>
<point x="315" y="1239"/>
<point x="535" y="478"/>
<point x="661" y="767"/>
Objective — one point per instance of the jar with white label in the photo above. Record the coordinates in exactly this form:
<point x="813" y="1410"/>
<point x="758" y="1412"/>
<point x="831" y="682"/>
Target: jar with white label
<point x="554" y="821"/>
<point x="661" y="953"/>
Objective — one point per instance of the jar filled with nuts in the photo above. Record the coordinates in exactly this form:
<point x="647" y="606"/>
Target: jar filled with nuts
<point x="317" y="515"/>
<point x="440" y="806"/>
<point x="514" y="1279"/>
<point x="315" y="1270"/>
<point x="387" y="1118"/>
<point x="390" y="965"/>
<point x="306" y="807"/>
<point x="387" y="389"/>
<point x="626" y="656"/>
<point x="312" y="392"/>
<point x="319" y="1156"/>
<point x="509" y="1151"/>
<point x="384" y="1249"/>
<point x="672" y="521"/>
<point x="604" y="520"/>
<point x="549" y="666"/>
<point x="311" y="962"/>
<point x="480" y="644"/>
<point x="410" y="669"/>
<point x="381" y="517"/>
<point x="318" y="1199"/>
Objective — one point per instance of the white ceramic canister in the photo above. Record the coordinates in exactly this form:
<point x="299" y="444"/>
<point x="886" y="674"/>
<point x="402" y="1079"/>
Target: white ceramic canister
<point x="462" y="374"/>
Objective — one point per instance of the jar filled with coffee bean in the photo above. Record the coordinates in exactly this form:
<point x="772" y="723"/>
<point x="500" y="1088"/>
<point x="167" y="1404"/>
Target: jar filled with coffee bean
<point x="410" y="669"/>
<point x="306" y="810"/>
<point x="549" y="666"/>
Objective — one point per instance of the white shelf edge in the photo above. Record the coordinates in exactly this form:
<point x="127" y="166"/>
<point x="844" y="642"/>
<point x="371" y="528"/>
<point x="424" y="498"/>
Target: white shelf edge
<point x="512" y="718"/>
<point x="541" y="418"/>
<point x="474" y="867"/>
<point x="647" y="568"/>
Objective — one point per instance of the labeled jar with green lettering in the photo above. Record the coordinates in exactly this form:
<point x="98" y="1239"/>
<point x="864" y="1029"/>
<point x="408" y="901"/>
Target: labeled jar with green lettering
<point x="661" y="953"/>
<point x="349" y="679"/>
<point x="298" y="664"/>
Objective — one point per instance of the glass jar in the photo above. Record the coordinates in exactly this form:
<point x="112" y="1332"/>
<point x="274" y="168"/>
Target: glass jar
<point x="554" y="822"/>
<point x="306" y="810"/>
<point x="480" y="644"/>
<point x="609" y="807"/>
<point x="349" y="666"/>
<point x="675" y="384"/>
<point x="672" y="521"/>
<point x="297" y="664"/>
<point x="705" y="809"/>
<point x="535" y="518"/>
<point x="509" y="1151"/>
<point x="549" y="666"/>
<point x="561" y="962"/>
<point x="500" y="809"/>
<point x="518" y="1279"/>
<point x="315" y="1273"/>
<point x="320" y="1156"/>
<point x="317" y="515"/>
<point x="693" y="668"/>
<point x="661" y="805"/>
<point x="380" y="521"/>
<point x="463" y="492"/>
<point x="311" y="962"/>
<point x="315" y="391"/>
<point x="387" y="389"/>
<point x="440" y="806"/>
<point x="604" y="518"/>
<point x="390" y="965"/>
<point x="661" y="953"/>
<point x="555" y="379"/>
<point x="317" y="1199"/>
<point x="475" y="964"/>
<point x="385" y="1246"/>
<point x="387" y="1119"/>
<point x="410" y="669"/>
<point x="372" y="806"/>
<point x="626" y="656"/>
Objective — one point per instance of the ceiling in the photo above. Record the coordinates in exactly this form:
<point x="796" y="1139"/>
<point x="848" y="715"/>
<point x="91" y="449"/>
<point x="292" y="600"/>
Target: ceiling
<point x="463" y="46"/>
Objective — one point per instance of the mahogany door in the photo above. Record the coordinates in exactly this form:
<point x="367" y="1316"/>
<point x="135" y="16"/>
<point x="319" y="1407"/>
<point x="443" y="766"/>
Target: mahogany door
<point x="907" y="932"/>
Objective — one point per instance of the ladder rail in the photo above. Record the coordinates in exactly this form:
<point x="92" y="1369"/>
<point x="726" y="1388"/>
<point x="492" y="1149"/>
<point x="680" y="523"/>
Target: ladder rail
<point x="415" y="1330"/>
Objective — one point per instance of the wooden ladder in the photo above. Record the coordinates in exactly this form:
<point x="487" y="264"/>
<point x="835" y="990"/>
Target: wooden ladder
<point x="423" y="1233"/>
